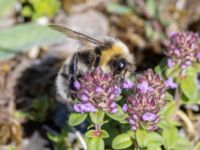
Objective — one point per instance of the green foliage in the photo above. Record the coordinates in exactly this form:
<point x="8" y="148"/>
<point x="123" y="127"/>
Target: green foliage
<point x="76" y="118"/>
<point x="149" y="139"/>
<point x="22" y="37"/>
<point x="189" y="85"/>
<point x="41" y="8"/>
<point x="119" y="9"/>
<point x="173" y="72"/>
<point x="6" y="7"/>
<point x="142" y="139"/>
<point x="96" y="144"/>
<point x="122" y="141"/>
<point x="173" y="140"/>
<point x="151" y="33"/>
<point x="38" y="112"/>
<point x="97" y="117"/>
<point x="161" y="67"/>
<point x="40" y="109"/>
<point x="155" y="140"/>
<point x="91" y="134"/>
<point x="119" y="116"/>
<point x="151" y="7"/>
<point x="61" y="141"/>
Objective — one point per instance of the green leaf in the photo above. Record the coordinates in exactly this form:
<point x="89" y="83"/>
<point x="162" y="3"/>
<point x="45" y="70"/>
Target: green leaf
<point x="155" y="140"/>
<point x="151" y="7"/>
<point x="131" y="134"/>
<point x="170" y="135"/>
<point x="91" y="134"/>
<point x="96" y="144"/>
<point x="97" y="117"/>
<point x="22" y="37"/>
<point x="76" y="119"/>
<point x="169" y="96"/>
<point x="122" y="141"/>
<point x="173" y="72"/>
<point x="161" y="67"/>
<point x="196" y="67"/>
<point x="182" y="143"/>
<point x="120" y="116"/>
<point x="53" y="138"/>
<point x="27" y="11"/>
<point x="6" y="7"/>
<point x="154" y="148"/>
<point x="119" y="9"/>
<point x="142" y="137"/>
<point x="173" y="140"/>
<point x="169" y="109"/>
<point x="189" y="86"/>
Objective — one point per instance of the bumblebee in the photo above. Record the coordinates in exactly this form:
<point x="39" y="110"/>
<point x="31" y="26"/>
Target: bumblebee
<point x="110" y="54"/>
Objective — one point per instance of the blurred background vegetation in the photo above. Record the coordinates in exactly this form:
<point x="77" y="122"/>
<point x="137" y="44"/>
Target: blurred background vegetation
<point x="31" y="116"/>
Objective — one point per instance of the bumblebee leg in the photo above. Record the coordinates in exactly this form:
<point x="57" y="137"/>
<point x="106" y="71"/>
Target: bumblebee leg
<point x="66" y="77"/>
<point x="73" y="67"/>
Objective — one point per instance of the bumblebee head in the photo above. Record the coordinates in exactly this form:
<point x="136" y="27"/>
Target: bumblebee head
<point x="117" y="58"/>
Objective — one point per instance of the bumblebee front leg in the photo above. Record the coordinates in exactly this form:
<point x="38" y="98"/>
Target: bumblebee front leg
<point x="73" y="67"/>
<point x="66" y="77"/>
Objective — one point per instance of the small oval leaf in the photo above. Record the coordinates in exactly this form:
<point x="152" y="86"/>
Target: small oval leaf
<point x="95" y="144"/>
<point x="155" y="139"/>
<point x="102" y="134"/>
<point x="76" y="119"/>
<point x="189" y="86"/>
<point x="142" y="137"/>
<point x="119" y="116"/>
<point x="122" y="141"/>
<point x="97" y="117"/>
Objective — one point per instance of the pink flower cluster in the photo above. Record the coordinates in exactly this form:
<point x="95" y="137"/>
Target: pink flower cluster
<point x="146" y="101"/>
<point x="183" y="49"/>
<point x="97" y="90"/>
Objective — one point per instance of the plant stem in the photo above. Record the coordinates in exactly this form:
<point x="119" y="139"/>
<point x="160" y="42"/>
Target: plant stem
<point x="177" y="98"/>
<point x="136" y="145"/>
<point x="188" y="123"/>
<point x="97" y="127"/>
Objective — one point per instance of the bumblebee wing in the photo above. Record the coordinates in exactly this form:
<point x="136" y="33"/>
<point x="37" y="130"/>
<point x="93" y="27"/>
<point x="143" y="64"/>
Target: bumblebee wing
<point x="75" y="35"/>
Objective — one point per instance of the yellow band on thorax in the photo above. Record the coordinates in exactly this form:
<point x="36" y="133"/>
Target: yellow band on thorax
<point x="109" y="53"/>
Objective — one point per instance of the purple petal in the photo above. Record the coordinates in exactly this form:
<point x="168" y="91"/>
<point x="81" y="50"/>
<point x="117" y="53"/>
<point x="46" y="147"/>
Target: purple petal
<point x="78" y="108"/>
<point x="144" y="86"/>
<point x="127" y="84"/>
<point x="115" y="110"/>
<point x="99" y="90"/>
<point x="117" y="90"/>
<point x="90" y="108"/>
<point x="112" y="96"/>
<point x="149" y="116"/>
<point x="113" y="105"/>
<point x="134" y="128"/>
<point x="198" y="56"/>
<point x="171" y="84"/>
<point x="183" y="66"/>
<point x="77" y="85"/>
<point x="125" y="107"/>
<point x="131" y="121"/>
<point x="188" y="62"/>
<point x="177" y="52"/>
<point x="84" y="97"/>
<point x="170" y="63"/>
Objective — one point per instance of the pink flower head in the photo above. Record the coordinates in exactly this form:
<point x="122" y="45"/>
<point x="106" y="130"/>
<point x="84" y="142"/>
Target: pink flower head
<point x="97" y="90"/>
<point x="147" y="100"/>
<point x="183" y="49"/>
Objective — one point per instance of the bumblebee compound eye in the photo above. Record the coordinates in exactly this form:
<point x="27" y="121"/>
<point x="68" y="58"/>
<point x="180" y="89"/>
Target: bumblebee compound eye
<point x="119" y="65"/>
